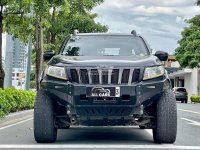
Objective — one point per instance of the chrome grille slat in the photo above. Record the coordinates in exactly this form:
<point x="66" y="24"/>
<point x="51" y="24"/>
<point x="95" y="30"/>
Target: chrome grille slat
<point x="89" y="75"/>
<point x="120" y="76"/>
<point x="79" y="76"/>
<point x="104" y="76"/>
<point x="100" y="76"/>
<point x="109" y="76"/>
<point x="130" y="76"/>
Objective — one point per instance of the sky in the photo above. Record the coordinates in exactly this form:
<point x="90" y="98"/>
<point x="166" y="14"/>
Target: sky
<point x="160" y="22"/>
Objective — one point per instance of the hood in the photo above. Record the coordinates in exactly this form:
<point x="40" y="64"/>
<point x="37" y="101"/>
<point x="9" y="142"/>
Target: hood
<point x="135" y="61"/>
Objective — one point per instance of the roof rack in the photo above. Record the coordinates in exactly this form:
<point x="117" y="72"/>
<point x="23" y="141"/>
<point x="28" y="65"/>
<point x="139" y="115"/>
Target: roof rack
<point x="133" y="32"/>
<point x="76" y="32"/>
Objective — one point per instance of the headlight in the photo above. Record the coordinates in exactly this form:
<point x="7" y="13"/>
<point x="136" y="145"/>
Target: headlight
<point x="153" y="72"/>
<point x="57" y="72"/>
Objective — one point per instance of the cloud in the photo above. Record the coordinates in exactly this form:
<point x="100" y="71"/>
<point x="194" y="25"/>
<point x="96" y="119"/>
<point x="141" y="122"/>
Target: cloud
<point x="154" y="10"/>
<point x="160" y="22"/>
<point x="131" y="3"/>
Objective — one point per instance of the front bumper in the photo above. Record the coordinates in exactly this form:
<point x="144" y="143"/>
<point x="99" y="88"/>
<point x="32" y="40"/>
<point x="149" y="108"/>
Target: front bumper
<point x="132" y="97"/>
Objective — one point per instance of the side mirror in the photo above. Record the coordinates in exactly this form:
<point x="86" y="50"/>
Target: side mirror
<point x="48" y="54"/>
<point x="163" y="56"/>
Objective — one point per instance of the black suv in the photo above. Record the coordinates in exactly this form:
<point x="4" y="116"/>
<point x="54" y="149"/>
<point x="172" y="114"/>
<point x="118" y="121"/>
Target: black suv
<point x="101" y="79"/>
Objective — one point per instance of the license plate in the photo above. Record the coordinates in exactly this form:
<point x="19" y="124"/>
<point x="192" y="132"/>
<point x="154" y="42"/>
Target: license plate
<point x="103" y="91"/>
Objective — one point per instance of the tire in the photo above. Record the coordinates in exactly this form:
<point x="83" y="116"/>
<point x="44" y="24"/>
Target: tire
<point x="67" y="127"/>
<point x="186" y="101"/>
<point x="44" y="129"/>
<point x="165" y="130"/>
<point x="141" y="127"/>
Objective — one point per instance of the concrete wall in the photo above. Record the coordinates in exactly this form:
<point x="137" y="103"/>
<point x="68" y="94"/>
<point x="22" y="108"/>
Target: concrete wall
<point x="198" y="81"/>
<point x="192" y="82"/>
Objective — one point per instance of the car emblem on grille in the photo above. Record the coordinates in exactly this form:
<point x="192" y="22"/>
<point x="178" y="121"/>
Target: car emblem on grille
<point x="100" y="92"/>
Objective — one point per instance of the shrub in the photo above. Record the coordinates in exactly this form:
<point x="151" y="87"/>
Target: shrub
<point x="12" y="100"/>
<point x="195" y="99"/>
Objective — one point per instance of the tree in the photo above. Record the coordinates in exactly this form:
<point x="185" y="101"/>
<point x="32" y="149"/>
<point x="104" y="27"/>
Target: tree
<point x="67" y="16"/>
<point x="2" y="74"/>
<point x="41" y="13"/>
<point x="17" y="8"/>
<point x="53" y="20"/>
<point x="188" y="52"/>
<point x="59" y="19"/>
<point x="198" y="2"/>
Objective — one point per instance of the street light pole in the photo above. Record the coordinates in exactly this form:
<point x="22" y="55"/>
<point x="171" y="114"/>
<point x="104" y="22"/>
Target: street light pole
<point x="28" y="66"/>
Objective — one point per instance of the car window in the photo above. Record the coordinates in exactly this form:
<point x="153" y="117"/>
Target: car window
<point x="181" y="90"/>
<point x="106" y="46"/>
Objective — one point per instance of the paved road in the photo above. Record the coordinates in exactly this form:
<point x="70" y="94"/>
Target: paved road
<point x="20" y="134"/>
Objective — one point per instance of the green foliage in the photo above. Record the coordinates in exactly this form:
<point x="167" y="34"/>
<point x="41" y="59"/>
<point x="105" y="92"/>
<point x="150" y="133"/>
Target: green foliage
<point x="65" y="16"/>
<point x="16" y="18"/>
<point x="55" y="19"/>
<point x="195" y="99"/>
<point x="198" y="2"/>
<point x="83" y="22"/>
<point x="32" y="75"/>
<point x="188" y="52"/>
<point x="12" y="100"/>
<point x="59" y="19"/>
<point x="33" y="85"/>
<point x="18" y="26"/>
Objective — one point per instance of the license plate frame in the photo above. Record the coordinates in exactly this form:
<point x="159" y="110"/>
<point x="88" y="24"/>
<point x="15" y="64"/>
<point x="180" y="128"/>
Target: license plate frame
<point x="103" y="92"/>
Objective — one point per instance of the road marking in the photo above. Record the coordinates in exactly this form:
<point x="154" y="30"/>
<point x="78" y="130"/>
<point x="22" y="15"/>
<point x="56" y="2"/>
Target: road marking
<point x="194" y="112"/>
<point x="14" y="124"/>
<point x="192" y="122"/>
<point x="80" y="146"/>
<point x="19" y="113"/>
<point x="6" y="123"/>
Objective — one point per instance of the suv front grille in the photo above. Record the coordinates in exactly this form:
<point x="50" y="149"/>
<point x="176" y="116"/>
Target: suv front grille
<point x="104" y="76"/>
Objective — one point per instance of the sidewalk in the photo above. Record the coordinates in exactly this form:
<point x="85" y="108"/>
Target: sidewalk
<point x="16" y="117"/>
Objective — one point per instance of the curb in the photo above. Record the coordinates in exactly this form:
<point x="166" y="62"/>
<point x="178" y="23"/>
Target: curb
<point x="16" y="117"/>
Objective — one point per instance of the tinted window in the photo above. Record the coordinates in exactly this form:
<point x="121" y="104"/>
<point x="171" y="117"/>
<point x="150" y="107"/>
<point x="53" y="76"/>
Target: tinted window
<point x="105" y="46"/>
<point x="181" y="90"/>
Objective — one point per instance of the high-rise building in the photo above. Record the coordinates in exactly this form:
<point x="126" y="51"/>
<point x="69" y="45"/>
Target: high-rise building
<point x="8" y="63"/>
<point x="15" y="62"/>
<point x="19" y="55"/>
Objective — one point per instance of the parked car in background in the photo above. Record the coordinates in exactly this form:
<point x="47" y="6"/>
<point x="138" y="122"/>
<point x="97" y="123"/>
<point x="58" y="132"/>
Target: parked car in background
<point x="181" y="94"/>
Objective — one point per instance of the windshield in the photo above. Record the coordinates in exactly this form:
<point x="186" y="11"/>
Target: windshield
<point x="181" y="90"/>
<point x="109" y="45"/>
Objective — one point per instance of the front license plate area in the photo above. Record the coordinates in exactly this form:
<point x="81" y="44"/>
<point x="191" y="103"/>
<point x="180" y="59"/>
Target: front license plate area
<point x="103" y="92"/>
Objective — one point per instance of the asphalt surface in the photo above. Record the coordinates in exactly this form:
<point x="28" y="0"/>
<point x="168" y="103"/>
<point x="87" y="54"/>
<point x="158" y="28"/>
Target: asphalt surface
<point x="17" y="133"/>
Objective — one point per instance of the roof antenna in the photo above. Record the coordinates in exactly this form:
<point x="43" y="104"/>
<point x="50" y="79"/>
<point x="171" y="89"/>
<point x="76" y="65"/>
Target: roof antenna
<point x="133" y="32"/>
